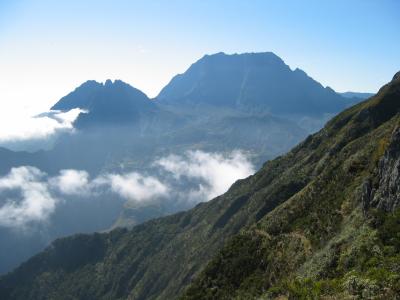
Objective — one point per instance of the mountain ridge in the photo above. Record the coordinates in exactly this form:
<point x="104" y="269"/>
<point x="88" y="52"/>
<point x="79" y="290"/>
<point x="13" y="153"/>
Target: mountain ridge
<point x="82" y="96"/>
<point x="297" y="228"/>
<point x="113" y="103"/>
<point x="252" y="81"/>
<point x="356" y="95"/>
<point x="123" y="131"/>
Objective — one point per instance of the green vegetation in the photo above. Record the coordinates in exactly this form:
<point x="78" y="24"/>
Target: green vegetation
<point x="311" y="224"/>
<point x="320" y="243"/>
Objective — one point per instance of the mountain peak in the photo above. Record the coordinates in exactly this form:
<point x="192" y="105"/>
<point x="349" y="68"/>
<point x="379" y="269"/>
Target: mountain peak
<point x="305" y="220"/>
<point x="246" y="58"/>
<point x="85" y="95"/>
<point x="251" y="82"/>
<point x="112" y="103"/>
<point x="90" y="83"/>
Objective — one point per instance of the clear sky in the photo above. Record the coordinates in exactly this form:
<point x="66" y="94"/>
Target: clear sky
<point x="47" y="48"/>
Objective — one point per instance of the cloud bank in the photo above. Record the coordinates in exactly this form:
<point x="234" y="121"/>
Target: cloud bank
<point x="34" y="204"/>
<point x="214" y="172"/>
<point x="19" y="127"/>
<point x="72" y="182"/>
<point x="136" y="187"/>
<point x="29" y="195"/>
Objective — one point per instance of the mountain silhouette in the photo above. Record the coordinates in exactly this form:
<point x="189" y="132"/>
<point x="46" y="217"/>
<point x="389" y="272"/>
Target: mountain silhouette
<point x="109" y="103"/>
<point x="320" y="222"/>
<point x="251" y="82"/>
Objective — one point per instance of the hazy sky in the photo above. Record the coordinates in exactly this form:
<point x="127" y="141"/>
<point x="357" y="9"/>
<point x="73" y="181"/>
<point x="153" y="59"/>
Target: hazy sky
<point x="47" y="48"/>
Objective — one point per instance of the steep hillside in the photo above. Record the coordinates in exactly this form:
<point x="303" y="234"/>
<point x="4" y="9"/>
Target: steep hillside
<point x="251" y="82"/>
<point x="318" y="221"/>
<point x="121" y="132"/>
<point x="355" y="97"/>
<point x="337" y="238"/>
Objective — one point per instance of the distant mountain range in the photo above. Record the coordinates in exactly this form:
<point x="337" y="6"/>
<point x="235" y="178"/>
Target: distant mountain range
<point x="250" y="83"/>
<point x="356" y="95"/>
<point x="214" y="86"/>
<point x="253" y="102"/>
<point x="320" y="222"/>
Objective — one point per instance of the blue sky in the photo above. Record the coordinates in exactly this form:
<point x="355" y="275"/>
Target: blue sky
<point x="47" y="48"/>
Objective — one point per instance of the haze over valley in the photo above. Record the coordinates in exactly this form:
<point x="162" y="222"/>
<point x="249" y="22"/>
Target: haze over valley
<point x="199" y="150"/>
<point x="123" y="158"/>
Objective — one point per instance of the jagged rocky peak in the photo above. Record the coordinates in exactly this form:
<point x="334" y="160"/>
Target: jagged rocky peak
<point x="246" y="58"/>
<point x="110" y="103"/>
<point x="298" y="216"/>
<point x="117" y="83"/>
<point x="87" y="95"/>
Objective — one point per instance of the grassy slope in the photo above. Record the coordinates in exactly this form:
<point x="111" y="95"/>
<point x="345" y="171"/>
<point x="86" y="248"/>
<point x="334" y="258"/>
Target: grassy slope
<point x="300" y="215"/>
<point x="320" y="243"/>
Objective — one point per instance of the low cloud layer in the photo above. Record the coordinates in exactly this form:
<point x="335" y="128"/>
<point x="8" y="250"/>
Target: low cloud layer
<point x="31" y="200"/>
<point x="28" y="195"/>
<point x="20" y="127"/>
<point x="136" y="187"/>
<point x="72" y="182"/>
<point x="214" y="172"/>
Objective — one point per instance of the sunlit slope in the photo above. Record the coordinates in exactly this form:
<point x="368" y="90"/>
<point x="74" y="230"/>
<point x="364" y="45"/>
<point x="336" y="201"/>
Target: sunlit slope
<point x="303" y="214"/>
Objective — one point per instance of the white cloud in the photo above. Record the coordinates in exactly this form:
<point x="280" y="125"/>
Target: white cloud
<point x="215" y="171"/>
<point x="72" y="182"/>
<point x="28" y="195"/>
<point x="21" y="126"/>
<point x="35" y="203"/>
<point x="136" y="187"/>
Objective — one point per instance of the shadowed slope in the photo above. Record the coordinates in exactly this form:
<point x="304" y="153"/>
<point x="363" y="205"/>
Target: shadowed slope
<point x="300" y="215"/>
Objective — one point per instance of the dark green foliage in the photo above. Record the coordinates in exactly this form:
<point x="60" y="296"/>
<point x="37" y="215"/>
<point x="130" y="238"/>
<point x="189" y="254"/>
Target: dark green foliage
<point x="232" y="209"/>
<point x="319" y="243"/>
<point x="296" y="229"/>
<point x="389" y="230"/>
<point x="238" y="102"/>
<point x="238" y="264"/>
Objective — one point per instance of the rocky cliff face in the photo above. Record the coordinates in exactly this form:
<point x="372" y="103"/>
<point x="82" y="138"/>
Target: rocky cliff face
<point x="337" y="237"/>
<point x="305" y="226"/>
<point x="383" y="191"/>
